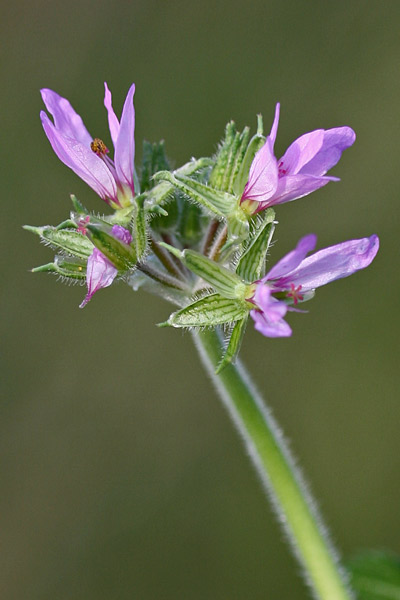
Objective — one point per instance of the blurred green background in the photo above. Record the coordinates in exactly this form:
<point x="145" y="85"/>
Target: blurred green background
<point x="121" y="475"/>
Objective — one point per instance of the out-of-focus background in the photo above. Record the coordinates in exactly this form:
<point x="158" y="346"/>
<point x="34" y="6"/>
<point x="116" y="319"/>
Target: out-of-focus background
<point x="121" y="475"/>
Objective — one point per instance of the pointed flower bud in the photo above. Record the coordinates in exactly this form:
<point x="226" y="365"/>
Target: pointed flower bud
<point x="70" y="269"/>
<point x="225" y="282"/>
<point x="114" y="243"/>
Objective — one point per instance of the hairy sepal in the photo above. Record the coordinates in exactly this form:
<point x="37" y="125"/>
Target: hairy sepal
<point x="68" y="240"/>
<point x="209" y="311"/>
<point x="252" y="261"/>
<point x="122" y="256"/>
<point x="233" y="346"/>
<point x="224" y="281"/>
<point x="218" y="203"/>
<point x="67" y="269"/>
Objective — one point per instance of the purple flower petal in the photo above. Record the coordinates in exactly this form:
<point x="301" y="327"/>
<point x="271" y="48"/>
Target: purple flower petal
<point x="270" y="329"/>
<point x="66" y="120"/>
<point x="293" y="259"/>
<point x="292" y="187"/>
<point x="82" y="160"/>
<point x="335" y="142"/>
<point x="263" y="175"/>
<point x="122" y="234"/>
<point x="332" y="263"/>
<point x="100" y="274"/>
<point x="125" y="144"/>
<point x="301" y="151"/>
<point x="274" y="128"/>
<point x="275" y="309"/>
<point x="113" y="122"/>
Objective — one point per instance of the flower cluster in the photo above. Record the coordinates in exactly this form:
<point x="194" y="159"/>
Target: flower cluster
<point x="198" y="235"/>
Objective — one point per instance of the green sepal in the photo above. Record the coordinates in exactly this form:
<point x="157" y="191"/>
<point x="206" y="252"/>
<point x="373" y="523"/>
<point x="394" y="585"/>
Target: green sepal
<point x="219" y="203"/>
<point x="238" y="228"/>
<point x="122" y="256"/>
<point x="140" y="227"/>
<point x="209" y="311"/>
<point x="225" y="282"/>
<point x="251" y="263"/>
<point x="229" y="158"/>
<point x="122" y="216"/>
<point x="78" y="206"/>
<point x="163" y="191"/>
<point x="190" y="226"/>
<point x="233" y="347"/>
<point x="154" y="159"/>
<point x="375" y="575"/>
<point x="69" y="268"/>
<point x="256" y="142"/>
<point x="68" y="240"/>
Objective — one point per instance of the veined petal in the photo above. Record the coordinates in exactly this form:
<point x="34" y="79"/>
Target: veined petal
<point x="333" y="263"/>
<point x="125" y="144"/>
<point x="66" y="120"/>
<point x="273" y="308"/>
<point x="263" y="175"/>
<point x="81" y="159"/>
<point x="301" y="151"/>
<point x="274" y="128"/>
<point x="292" y="187"/>
<point x="263" y="325"/>
<point x="293" y="259"/>
<point x="335" y="142"/>
<point x="100" y="274"/>
<point x="113" y="122"/>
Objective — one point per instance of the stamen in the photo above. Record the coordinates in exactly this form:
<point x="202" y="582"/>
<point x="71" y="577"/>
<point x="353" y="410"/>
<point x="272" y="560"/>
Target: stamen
<point x="99" y="147"/>
<point x="82" y="225"/>
<point x="281" y="170"/>
<point x="294" y="293"/>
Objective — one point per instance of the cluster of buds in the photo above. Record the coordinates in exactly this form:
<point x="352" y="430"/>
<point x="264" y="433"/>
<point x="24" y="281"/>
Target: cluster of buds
<point x="198" y="235"/>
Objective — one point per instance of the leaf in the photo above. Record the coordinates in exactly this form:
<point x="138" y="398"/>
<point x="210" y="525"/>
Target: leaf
<point x="251" y="263"/>
<point x="235" y="341"/>
<point x="209" y="311"/>
<point x="375" y="575"/>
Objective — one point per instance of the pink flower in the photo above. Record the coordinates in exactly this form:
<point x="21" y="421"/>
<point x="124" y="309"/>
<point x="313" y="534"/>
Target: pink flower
<point x="295" y="277"/>
<point x="112" y="180"/>
<point x="300" y="171"/>
<point x="100" y="272"/>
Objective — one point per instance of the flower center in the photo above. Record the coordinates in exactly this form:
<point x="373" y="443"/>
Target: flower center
<point x="99" y="147"/>
<point x="294" y="293"/>
<point x="281" y="171"/>
<point x="83" y="221"/>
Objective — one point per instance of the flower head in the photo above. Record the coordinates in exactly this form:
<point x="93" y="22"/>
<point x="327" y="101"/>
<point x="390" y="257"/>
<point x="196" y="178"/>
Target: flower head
<point x="112" y="180"/>
<point x="295" y="278"/>
<point x="100" y="272"/>
<point x="300" y="171"/>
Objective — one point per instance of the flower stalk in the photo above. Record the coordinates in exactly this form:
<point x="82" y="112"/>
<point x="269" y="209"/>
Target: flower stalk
<point x="279" y="475"/>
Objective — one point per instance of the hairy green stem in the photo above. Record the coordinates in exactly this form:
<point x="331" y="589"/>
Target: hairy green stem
<point x="282" y="480"/>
